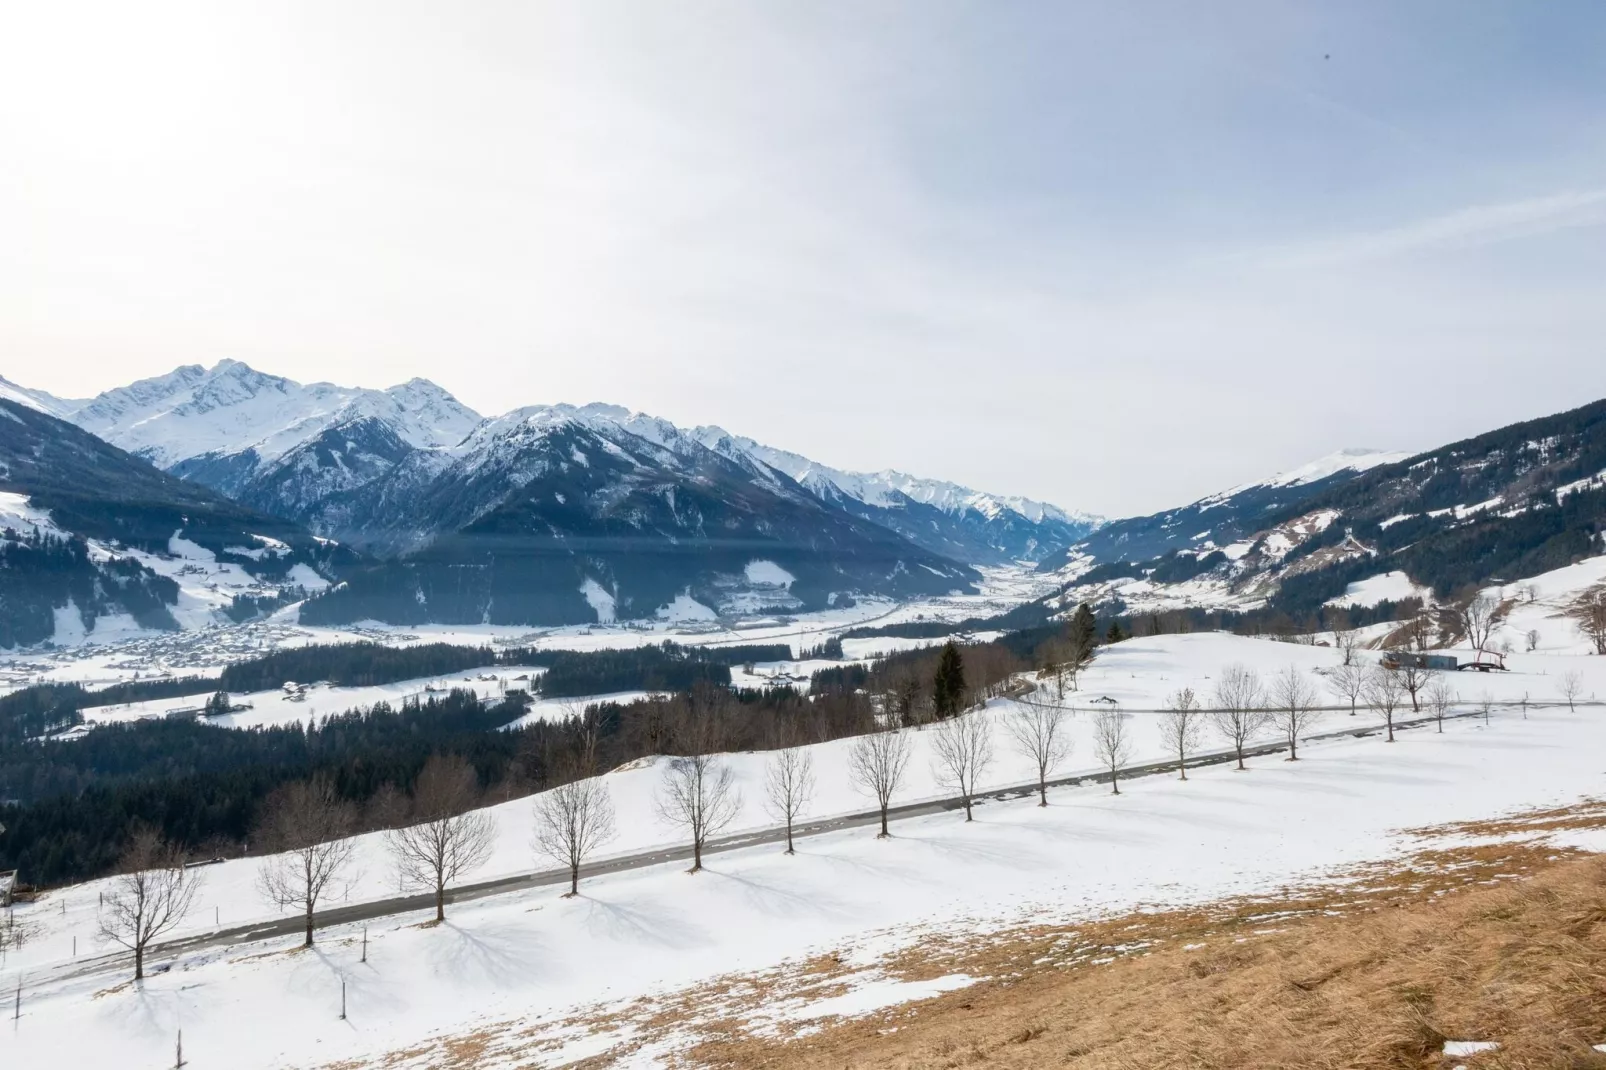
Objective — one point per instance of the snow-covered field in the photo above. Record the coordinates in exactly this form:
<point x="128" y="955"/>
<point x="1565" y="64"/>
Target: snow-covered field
<point x="278" y="707"/>
<point x="534" y="958"/>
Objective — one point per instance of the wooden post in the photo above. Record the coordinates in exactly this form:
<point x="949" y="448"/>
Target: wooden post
<point x="342" y="1000"/>
<point x="178" y="1055"/>
<point x="365" y="943"/>
<point x="16" y="1014"/>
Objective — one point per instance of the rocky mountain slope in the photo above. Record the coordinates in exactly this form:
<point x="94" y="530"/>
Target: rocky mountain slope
<point x="90" y="531"/>
<point x="1493" y="509"/>
<point x="305" y="452"/>
<point x="945" y="518"/>
<point x="554" y="514"/>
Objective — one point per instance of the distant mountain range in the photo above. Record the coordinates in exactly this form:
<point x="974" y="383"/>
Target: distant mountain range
<point x="1493" y="509"/>
<point x="223" y="492"/>
<point x="1221" y="519"/>
<point x="552" y="514"/>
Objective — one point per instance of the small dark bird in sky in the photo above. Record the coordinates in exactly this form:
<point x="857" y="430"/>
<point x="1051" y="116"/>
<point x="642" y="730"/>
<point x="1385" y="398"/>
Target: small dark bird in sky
<point x="1327" y="56"/>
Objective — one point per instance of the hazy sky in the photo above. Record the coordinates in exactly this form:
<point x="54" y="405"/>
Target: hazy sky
<point x="1112" y="255"/>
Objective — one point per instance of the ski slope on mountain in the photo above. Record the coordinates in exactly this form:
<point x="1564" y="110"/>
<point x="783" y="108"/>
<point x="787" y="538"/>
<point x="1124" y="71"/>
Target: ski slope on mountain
<point x="514" y="969"/>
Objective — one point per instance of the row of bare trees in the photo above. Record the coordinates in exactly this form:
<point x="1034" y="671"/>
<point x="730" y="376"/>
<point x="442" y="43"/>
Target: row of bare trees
<point x="438" y="836"/>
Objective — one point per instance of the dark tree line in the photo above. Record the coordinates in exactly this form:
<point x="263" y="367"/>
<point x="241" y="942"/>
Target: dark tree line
<point x="40" y="574"/>
<point x="352" y="665"/>
<point x="201" y="786"/>
<point x="75" y="804"/>
<point x="43" y="708"/>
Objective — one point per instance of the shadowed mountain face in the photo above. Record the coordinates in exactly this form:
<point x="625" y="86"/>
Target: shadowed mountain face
<point x="546" y="516"/>
<point x="290" y="449"/>
<point x="1489" y="510"/>
<point x="555" y="513"/>
<point x="82" y="519"/>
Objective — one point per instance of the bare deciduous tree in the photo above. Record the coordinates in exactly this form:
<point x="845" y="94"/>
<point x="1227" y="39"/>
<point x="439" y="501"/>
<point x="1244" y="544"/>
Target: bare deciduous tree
<point x="1572" y="685"/>
<point x="1419" y="630"/>
<point x="789" y="785"/>
<point x="1240" y="707"/>
<point x="901" y="694"/>
<point x="1385" y="690"/>
<point x="1293" y="707"/>
<point x="1111" y="743"/>
<point x="1478" y="619"/>
<point x="1414" y="678"/>
<point x="698" y="794"/>
<point x="1182" y="727"/>
<point x="149" y="896"/>
<point x="1347" y="642"/>
<point x="571" y="822"/>
<point x="1040" y="732"/>
<point x="310" y="826"/>
<point x="1051" y="665"/>
<point x="1485" y="705"/>
<point x="1348" y="681"/>
<point x="1591" y="613"/>
<point x="584" y="724"/>
<point x="1439" y="696"/>
<point x="962" y="749"/>
<point x="446" y="838"/>
<point x="877" y="763"/>
<point x="1531" y="640"/>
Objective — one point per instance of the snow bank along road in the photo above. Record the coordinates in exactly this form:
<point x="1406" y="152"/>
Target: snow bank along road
<point x="515" y="967"/>
<point x="348" y="914"/>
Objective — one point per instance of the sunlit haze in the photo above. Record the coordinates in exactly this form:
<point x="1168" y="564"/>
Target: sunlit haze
<point x="1111" y="256"/>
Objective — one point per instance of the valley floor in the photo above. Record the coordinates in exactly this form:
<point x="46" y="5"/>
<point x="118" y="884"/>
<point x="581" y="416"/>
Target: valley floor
<point x="762" y="946"/>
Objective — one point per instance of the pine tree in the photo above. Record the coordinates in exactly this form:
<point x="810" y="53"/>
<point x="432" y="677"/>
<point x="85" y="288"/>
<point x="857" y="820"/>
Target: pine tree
<point x="1115" y="634"/>
<point x="948" y="689"/>
<point x="1083" y="630"/>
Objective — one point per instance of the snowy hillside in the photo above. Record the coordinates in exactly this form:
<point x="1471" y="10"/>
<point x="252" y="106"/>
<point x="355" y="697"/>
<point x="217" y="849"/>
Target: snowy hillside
<point x="1220" y="519"/>
<point x="37" y="400"/>
<point x="95" y="543"/>
<point x="647" y="959"/>
<point x="1294" y="549"/>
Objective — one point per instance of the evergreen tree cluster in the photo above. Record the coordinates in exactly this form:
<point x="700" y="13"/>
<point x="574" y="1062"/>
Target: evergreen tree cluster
<point x="40" y="574"/>
<point x="70" y="805"/>
<point x="352" y="665"/>
<point x="648" y="668"/>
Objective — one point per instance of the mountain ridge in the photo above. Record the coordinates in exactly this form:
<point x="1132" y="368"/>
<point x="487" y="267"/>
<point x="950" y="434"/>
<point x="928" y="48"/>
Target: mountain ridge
<point x="305" y="451"/>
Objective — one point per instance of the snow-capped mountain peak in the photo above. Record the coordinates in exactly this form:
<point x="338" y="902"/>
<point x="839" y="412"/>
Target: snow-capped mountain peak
<point x="232" y="408"/>
<point x="886" y="488"/>
<point x="37" y="400"/>
<point x="307" y="450"/>
<point x="1352" y="459"/>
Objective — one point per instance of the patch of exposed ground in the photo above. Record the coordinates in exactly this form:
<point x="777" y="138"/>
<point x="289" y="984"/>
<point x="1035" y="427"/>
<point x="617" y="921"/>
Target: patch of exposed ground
<point x="1498" y="936"/>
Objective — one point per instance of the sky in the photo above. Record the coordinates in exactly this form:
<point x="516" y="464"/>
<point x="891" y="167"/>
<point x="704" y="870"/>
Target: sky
<point x="1114" y="256"/>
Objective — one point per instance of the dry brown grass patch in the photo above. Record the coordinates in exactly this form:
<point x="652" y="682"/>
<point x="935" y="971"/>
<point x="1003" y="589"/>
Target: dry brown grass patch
<point x="1445" y="949"/>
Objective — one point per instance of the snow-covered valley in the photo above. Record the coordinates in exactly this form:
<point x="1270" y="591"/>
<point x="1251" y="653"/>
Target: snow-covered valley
<point x="542" y="975"/>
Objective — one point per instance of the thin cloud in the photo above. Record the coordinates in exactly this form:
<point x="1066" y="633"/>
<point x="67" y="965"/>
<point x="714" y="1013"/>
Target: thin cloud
<point x="1478" y="225"/>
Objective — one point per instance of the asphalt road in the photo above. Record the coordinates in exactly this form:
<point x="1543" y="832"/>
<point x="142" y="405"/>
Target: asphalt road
<point x="161" y="954"/>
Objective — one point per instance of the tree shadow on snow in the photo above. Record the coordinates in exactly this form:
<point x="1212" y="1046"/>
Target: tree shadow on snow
<point x="659" y="927"/>
<point x="501" y="954"/>
<point x="776" y="899"/>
